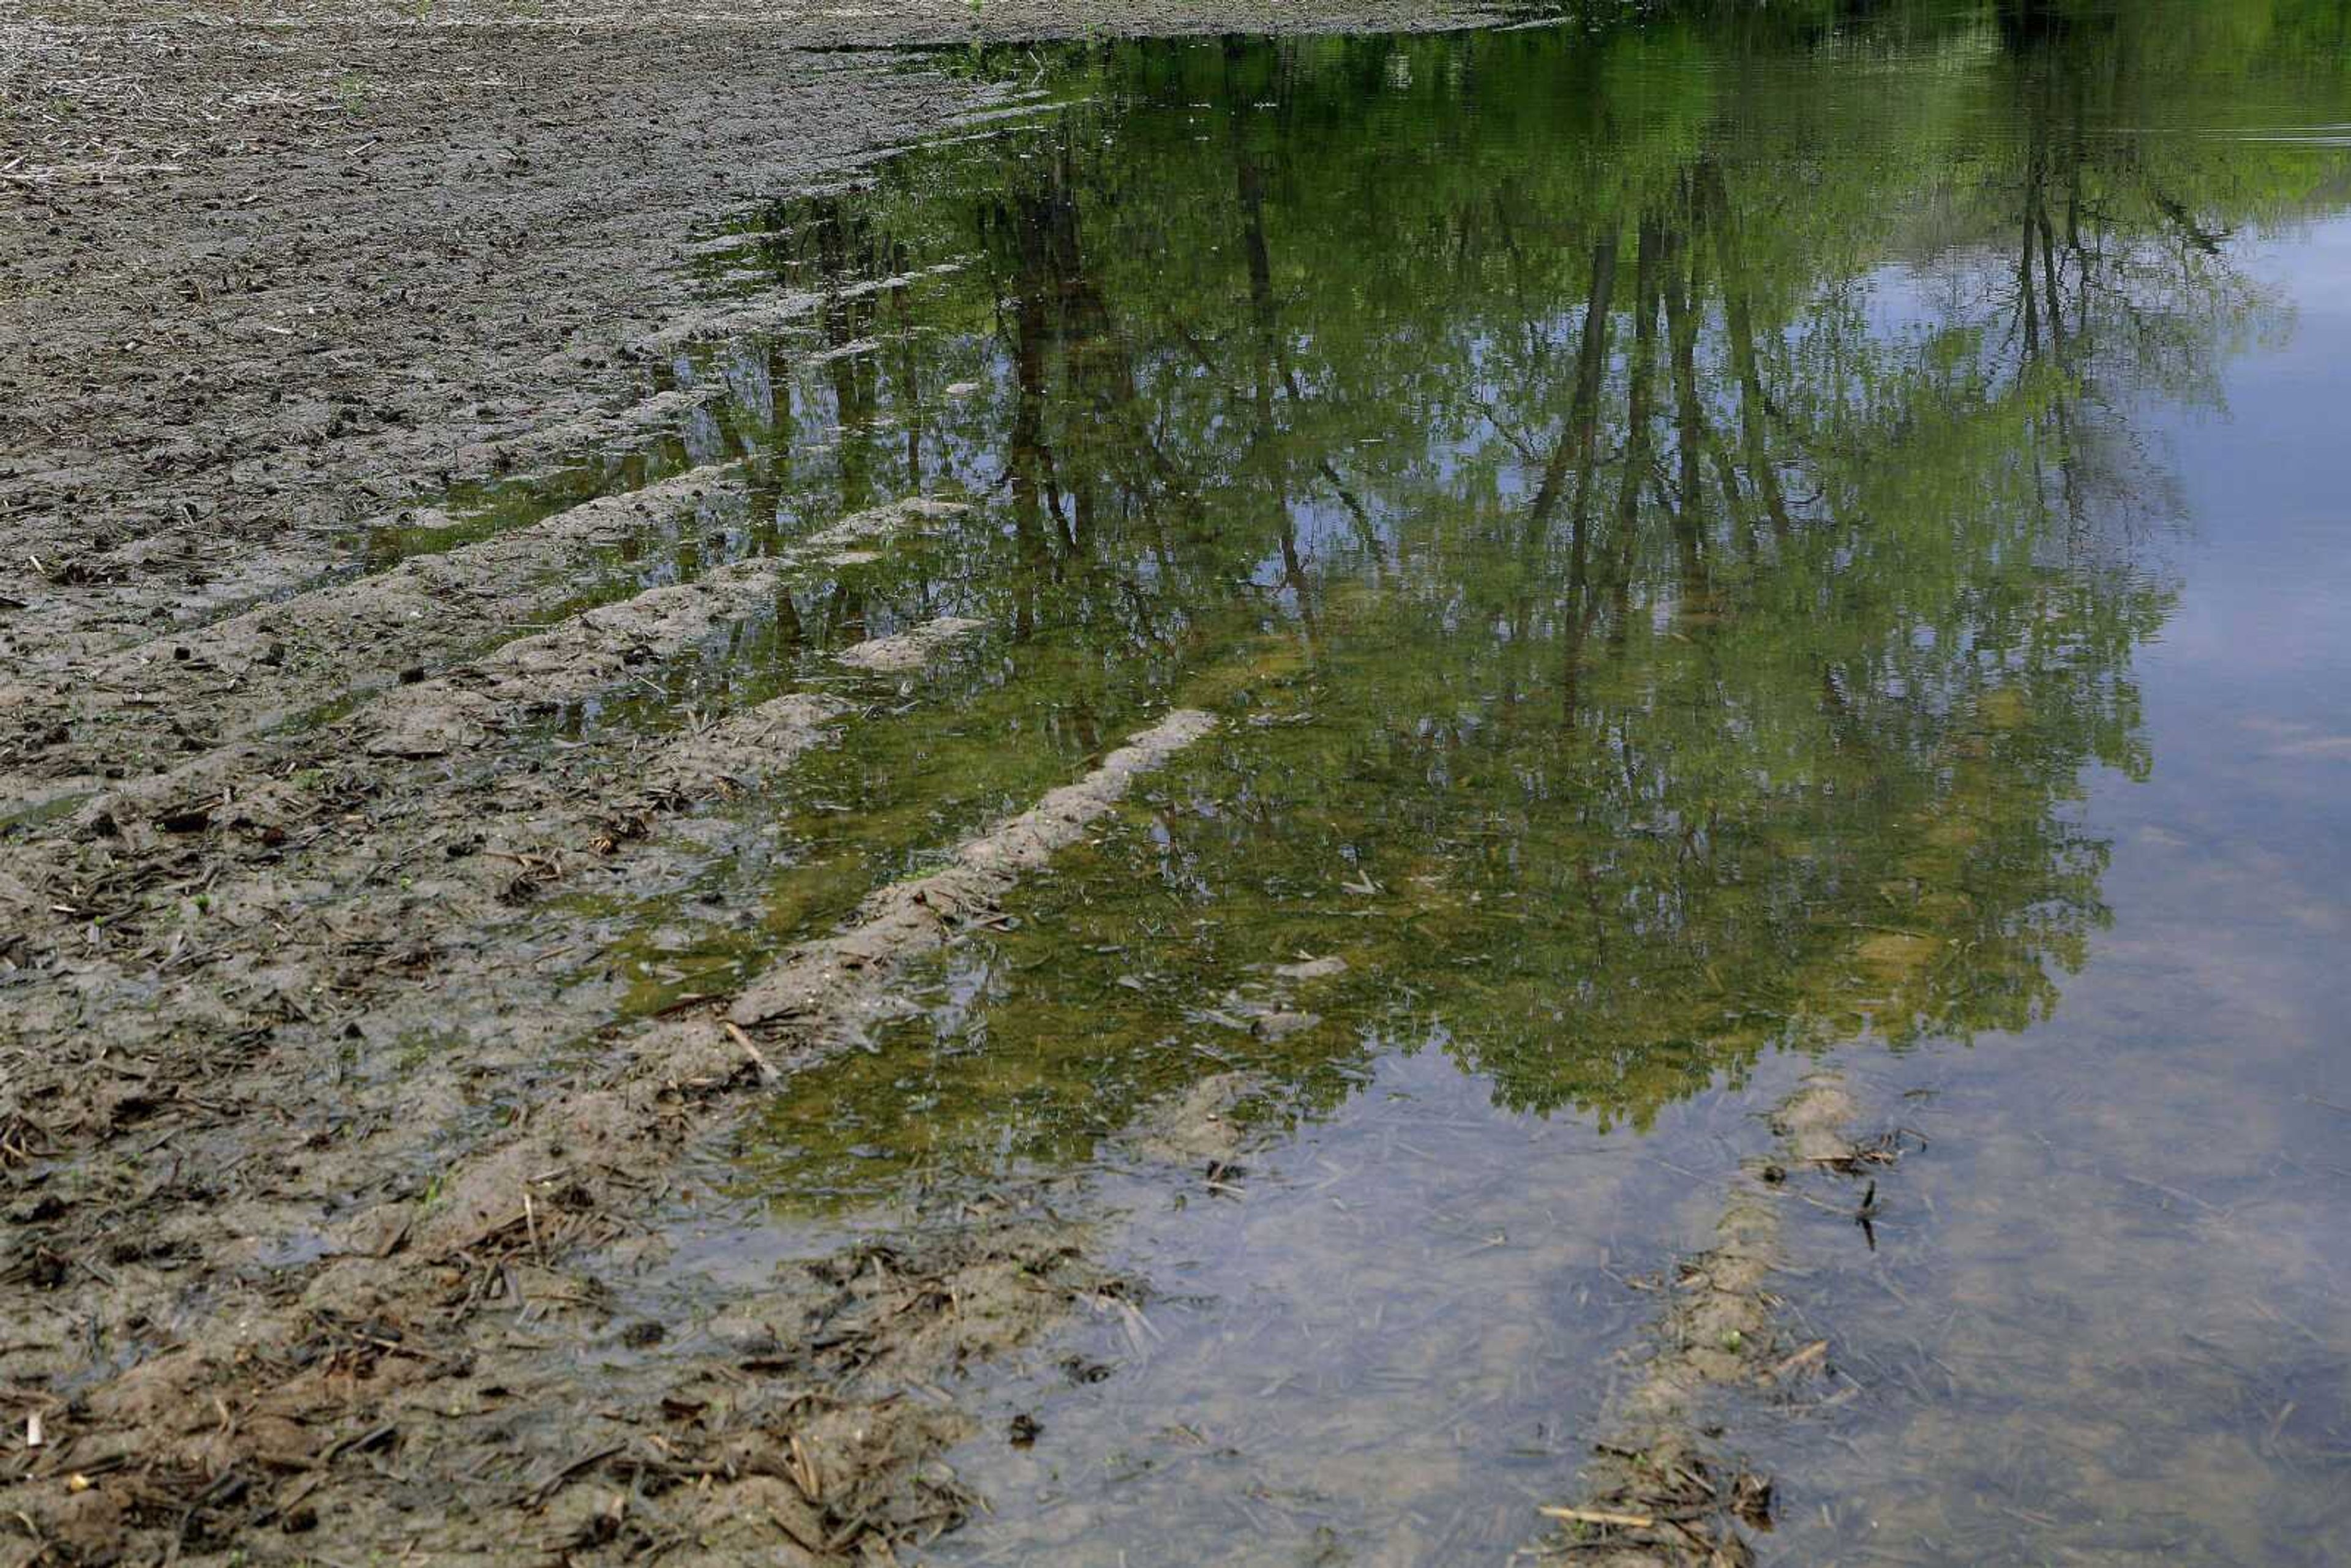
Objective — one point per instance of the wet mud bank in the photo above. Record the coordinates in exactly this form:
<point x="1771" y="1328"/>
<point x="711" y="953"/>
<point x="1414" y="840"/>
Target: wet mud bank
<point x="460" y="1329"/>
<point x="279" y="275"/>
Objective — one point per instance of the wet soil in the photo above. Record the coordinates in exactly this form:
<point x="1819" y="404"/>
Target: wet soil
<point x="229" y="1341"/>
<point x="276" y="273"/>
<point x="307" y="1232"/>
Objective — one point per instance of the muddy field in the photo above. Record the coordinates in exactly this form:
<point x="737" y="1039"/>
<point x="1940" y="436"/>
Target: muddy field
<point x="720" y="843"/>
<point x="276" y="279"/>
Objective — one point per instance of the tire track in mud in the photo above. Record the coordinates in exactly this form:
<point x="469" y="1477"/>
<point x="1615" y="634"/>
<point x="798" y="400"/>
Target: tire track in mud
<point x="462" y="1329"/>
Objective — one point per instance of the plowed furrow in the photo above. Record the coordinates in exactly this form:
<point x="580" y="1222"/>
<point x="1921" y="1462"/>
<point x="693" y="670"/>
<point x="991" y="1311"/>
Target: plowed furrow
<point x="528" y="1221"/>
<point x="138" y="582"/>
<point x="146" y="708"/>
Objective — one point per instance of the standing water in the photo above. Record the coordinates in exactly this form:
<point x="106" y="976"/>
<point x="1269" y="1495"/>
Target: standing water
<point x="1757" y="960"/>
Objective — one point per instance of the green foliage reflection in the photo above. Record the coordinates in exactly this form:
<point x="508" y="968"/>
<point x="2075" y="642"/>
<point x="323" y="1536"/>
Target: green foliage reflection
<point x="1686" y="477"/>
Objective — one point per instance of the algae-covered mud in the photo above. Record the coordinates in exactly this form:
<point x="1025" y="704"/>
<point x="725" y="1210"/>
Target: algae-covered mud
<point x="1570" y="793"/>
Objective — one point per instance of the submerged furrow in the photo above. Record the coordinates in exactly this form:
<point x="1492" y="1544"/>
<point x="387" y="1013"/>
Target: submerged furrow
<point x="463" y="711"/>
<point x="741" y="317"/>
<point x="146" y="575"/>
<point x="165" y="581"/>
<point x="1665" y="1488"/>
<point x="599" y="648"/>
<point x="819" y="997"/>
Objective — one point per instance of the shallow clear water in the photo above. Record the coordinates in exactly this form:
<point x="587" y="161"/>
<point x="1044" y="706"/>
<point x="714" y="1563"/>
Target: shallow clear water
<point x="1725" y="548"/>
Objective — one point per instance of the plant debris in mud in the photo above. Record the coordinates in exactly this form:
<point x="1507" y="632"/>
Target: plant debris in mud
<point x="788" y="1420"/>
<point x="429" y="1326"/>
<point x="1658" y="1493"/>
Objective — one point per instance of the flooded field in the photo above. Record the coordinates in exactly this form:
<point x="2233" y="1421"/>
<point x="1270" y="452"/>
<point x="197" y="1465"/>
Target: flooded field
<point x="1570" y="793"/>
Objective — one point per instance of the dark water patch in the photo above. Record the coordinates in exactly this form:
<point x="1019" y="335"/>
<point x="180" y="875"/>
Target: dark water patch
<point x="479" y="510"/>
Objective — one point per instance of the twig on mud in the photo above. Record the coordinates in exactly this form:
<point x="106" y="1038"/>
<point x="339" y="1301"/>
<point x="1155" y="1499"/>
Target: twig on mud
<point x="803" y="1471"/>
<point x="229" y="1487"/>
<point x="1600" y="1517"/>
<point x="359" y="1443"/>
<point x="2174" y="1192"/>
<point x="1816" y="1350"/>
<point x="40" y="1542"/>
<point x="768" y="1074"/>
<point x="547" y="1489"/>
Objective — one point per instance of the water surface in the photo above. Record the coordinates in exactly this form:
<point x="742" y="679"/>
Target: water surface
<point x="1727" y="549"/>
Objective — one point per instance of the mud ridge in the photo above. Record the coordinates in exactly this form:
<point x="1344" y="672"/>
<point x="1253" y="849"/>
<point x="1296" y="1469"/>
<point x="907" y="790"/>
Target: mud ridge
<point x="443" y="1327"/>
<point x="210" y="1054"/>
<point x="403" y="957"/>
<point x="411" y="931"/>
<point x="743" y="318"/>
<point x="1661" y="1491"/>
<point x="597" y="649"/>
<point x="462" y="710"/>
<point x="819" y="997"/>
<point x="261" y="667"/>
<point x="908" y="650"/>
<point x="180" y="576"/>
